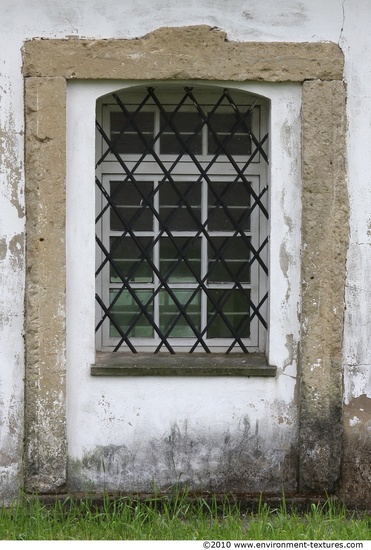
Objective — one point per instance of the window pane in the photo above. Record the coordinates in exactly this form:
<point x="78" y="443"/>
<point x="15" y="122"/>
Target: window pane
<point x="170" y="144"/>
<point x="180" y="205"/>
<point x="173" y="255"/>
<point x="228" y="206"/>
<point x="127" y="314"/>
<point x="186" y="123"/>
<point x="124" y="133"/>
<point x="238" y="144"/>
<point x="130" y="202"/>
<point x="232" y="307"/>
<point x="130" y="261"/>
<point x="170" y="317"/>
<point x="229" y="134"/>
<point x="179" y="225"/>
<point x="228" y="260"/>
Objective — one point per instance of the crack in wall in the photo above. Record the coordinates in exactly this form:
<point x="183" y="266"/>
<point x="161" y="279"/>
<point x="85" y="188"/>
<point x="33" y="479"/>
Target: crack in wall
<point x="342" y="23"/>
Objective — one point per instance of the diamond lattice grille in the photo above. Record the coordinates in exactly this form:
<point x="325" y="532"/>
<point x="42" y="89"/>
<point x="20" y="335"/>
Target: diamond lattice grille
<point x="182" y="223"/>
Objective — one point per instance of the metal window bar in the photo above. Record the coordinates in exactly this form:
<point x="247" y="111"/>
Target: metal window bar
<point x="108" y="258"/>
<point x="182" y="310"/>
<point x="188" y="206"/>
<point x="203" y="172"/>
<point x="221" y="148"/>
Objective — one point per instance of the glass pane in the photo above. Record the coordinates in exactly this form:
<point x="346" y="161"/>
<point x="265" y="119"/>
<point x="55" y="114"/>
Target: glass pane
<point x="130" y="261"/>
<point x="143" y="120"/>
<point x="232" y="306"/>
<point x="180" y="206"/>
<point x="173" y="267"/>
<point x="228" y="260"/>
<point x="238" y="144"/>
<point x="186" y="124"/>
<point x="124" y="133"/>
<point x="225" y="125"/>
<point x="128" y="314"/>
<point x="170" y="317"/>
<point x="171" y="145"/>
<point x="133" y="211"/>
<point x="228" y="206"/>
<point x="132" y="144"/>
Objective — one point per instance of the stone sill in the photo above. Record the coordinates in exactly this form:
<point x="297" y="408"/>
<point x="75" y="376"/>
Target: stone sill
<point x="145" y="364"/>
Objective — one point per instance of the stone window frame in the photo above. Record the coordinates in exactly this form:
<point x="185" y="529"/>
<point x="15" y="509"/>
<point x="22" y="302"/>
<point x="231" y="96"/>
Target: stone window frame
<point x="187" y="53"/>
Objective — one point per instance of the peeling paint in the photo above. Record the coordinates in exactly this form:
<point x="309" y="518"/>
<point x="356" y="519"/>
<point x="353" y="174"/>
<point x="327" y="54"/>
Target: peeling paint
<point x="16" y="249"/>
<point x="11" y="164"/>
<point x="285" y="259"/>
<point x="3" y="248"/>
<point x="360" y="407"/>
<point x="354" y="421"/>
<point x="290" y="348"/>
<point x="356" y="469"/>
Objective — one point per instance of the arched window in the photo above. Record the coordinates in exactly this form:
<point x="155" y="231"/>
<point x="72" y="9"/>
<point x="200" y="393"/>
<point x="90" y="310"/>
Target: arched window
<point x="182" y="220"/>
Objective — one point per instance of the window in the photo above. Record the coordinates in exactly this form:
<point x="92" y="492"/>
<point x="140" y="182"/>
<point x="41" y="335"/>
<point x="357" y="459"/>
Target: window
<point x="182" y="221"/>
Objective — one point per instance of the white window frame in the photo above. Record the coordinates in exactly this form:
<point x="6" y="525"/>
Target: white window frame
<point x="257" y="172"/>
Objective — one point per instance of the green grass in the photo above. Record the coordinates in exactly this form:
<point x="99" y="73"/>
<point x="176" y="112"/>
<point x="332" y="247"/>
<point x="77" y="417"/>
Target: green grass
<point x="176" y="517"/>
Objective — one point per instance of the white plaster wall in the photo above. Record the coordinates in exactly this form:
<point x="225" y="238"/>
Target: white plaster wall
<point x="356" y="43"/>
<point x="136" y="415"/>
<point x="344" y="21"/>
<point x="11" y="266"/>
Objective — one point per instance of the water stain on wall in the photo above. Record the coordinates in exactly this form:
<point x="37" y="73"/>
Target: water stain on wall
<point x="234" y="461"/>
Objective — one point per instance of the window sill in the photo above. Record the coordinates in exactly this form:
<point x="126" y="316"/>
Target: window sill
<point x="143" y="364"/>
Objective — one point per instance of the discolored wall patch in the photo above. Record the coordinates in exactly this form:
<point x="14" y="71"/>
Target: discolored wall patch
<point x="233" y="461"/>
<point x="356" y="467"/>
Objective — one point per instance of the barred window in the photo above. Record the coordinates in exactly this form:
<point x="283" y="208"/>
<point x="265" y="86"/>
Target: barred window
<point x="182" y="221"/>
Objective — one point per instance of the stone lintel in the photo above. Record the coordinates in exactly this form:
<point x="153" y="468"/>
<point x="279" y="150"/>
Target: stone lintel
<point x="197" y="52"/>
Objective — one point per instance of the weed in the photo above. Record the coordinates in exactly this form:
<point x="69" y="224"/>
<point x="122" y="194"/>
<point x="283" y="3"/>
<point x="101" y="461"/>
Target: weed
<point x="176" y="516"/>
